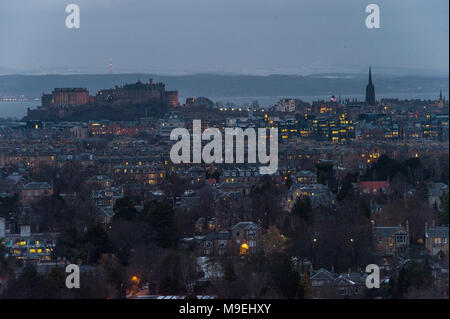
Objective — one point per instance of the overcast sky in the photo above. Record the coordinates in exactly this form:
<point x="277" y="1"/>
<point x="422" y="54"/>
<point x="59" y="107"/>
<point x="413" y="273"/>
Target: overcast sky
<point x="233" y="36"/>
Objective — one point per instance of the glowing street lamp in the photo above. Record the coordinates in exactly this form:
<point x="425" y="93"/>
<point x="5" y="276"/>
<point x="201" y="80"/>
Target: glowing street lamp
<point x="135" y="279"/>
<point x="244" y="248"/>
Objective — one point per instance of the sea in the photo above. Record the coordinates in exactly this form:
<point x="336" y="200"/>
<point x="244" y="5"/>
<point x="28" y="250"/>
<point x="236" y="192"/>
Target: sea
<point x="16" y="110"/>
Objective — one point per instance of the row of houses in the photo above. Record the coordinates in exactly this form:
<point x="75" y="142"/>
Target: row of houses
<point x="392" y="243"/>
<point x="244" y="238"/>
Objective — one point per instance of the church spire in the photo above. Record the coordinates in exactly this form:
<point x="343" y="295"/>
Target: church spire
<point x="370" y="90"/>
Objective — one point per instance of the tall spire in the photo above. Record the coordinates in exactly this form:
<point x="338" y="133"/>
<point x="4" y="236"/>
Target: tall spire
<point x="370" y="90"/>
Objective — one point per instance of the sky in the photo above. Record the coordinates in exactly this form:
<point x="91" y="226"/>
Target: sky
<point x="222" y="36"/>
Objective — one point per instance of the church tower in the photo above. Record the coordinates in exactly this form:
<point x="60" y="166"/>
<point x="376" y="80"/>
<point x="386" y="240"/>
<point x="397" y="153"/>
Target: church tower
<point x="370" y="90"/>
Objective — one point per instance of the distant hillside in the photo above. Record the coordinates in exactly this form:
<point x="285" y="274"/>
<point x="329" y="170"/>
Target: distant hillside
<point x="213" y="85"/>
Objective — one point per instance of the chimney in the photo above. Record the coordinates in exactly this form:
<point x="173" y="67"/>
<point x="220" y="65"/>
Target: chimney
<point x="434" y="223"/>
<point x="426" y="228"/>
<point x="407" y="226"/>
<point x="150" y="81"/>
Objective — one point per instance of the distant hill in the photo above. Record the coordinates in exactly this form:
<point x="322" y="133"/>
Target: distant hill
<point x="214" y="85"/>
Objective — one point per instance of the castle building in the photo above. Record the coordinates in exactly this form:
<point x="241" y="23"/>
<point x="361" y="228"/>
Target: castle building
<point x="137" y="93"/>
<point x="67" y="97"/>
<point x="370" y="90"/>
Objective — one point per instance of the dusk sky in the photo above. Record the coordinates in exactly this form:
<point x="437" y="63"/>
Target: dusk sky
<point x="232" y="36"/>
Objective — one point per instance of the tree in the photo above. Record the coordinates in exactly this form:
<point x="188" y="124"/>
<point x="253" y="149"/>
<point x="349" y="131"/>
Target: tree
<point x="114" y="271"/>
<point x="305" y="284"/>
<point x="346" y="188"/>
<point x="68" y="244"/>
<point x="9" y="205"/>
<point x="171" y="275"/>
<point x="302" y="209"/>
<point x="161" y="218"/>
<point x="288" y="181"/>
<point x="96" y="242"/>
<point x="124" y="209"/>
<point x="283" y="276"/>
<point x="364" y="208"/>
<point x="443" y="211"/>
<point x="413" y="276"/>
<point x="229" y="273"/>
<point x="273" y="241"/>
<point x="265" y="203"/>
<point x="27" y="285"/>
<point x="7" y="264"/>
<point x="326" y="176"/>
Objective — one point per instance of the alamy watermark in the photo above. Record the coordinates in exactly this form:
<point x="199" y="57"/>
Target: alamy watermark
<point x="373" y="19"/>
<point x="73" y="279"/>
<point x="73" y="19"/>
<point x="373" y="279"/>
<point x="213" y="152"/>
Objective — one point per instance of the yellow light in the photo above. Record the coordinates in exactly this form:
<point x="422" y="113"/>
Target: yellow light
<point x="135" y="278"/>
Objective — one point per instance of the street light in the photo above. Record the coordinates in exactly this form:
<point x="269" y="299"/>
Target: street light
<point x="135" y="279"/>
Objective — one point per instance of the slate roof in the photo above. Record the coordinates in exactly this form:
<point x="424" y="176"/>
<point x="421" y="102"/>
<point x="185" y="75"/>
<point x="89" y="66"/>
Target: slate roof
<point x="222" y="235"/>
<point x="245" y="226"/>
<point x="37" y="185"/>
<point x="387" y="231"/>
<point x="437" y="231"/>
